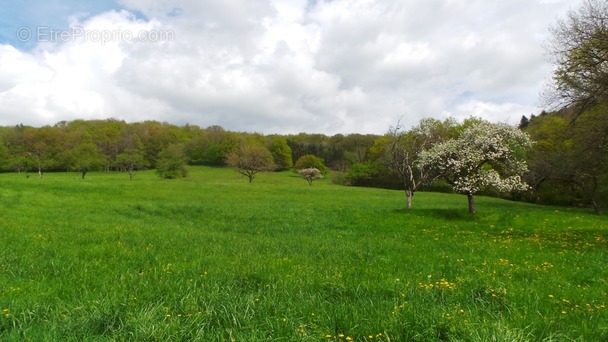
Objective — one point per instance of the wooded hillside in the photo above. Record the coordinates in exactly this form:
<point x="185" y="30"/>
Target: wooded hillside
<point x="568" y="162"/>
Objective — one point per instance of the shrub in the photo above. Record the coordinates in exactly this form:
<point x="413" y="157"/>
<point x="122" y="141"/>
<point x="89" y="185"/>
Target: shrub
<point x="172" y="162"/>
<point x="310" y="161"/>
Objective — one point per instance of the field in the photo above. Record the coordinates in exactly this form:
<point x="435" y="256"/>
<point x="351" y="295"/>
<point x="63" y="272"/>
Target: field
<point x="214" y="258"/>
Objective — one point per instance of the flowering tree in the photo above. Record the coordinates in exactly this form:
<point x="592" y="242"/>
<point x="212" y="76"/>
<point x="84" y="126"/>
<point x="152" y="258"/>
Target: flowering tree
<point x="484" y="155"/>
<point x="310" y="174"/>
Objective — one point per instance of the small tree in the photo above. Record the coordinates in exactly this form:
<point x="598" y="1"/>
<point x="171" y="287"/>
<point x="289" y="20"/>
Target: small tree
<point x="171" y="162"/>
<point x="85" y="157"/>
<point x="485" y="154"/>
<point x="311" y="161"/>
<point x="131" y="160"/>
<point x="250" y="160"/>
<point x="310" y="174"/>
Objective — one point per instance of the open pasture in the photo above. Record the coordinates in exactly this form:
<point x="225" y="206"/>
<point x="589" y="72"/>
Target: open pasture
<point x="214" y="258"/>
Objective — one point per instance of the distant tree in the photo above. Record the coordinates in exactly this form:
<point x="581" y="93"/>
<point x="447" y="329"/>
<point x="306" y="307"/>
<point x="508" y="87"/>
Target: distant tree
<point x="310" y="174"/>
<point x="42" y="146"/>
<point x="85" y="157"/>
<point x="251" y="159"/>
<point x="131" y="160"/>
<point x="212" y="146"/>
<point x="484" y="155"/>
<point x="313" y="144"/>
<point x="354" y="147"/>
<point x="171" y="163"/>
<point x="311" y="161"/>
<point x="281" y="153"/>
<point x="579" y="49"/>
<point x="523" y="122"/>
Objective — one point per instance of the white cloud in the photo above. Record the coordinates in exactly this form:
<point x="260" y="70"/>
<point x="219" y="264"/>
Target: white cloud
<point x="287" y="66"/>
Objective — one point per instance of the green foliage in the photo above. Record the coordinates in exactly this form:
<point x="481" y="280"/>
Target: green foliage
<point x="210" y="258"/>
<point x="172" y="162"/>
<point x="281" y="153"/>
<point x="131" y="160"/>
<point x="372" y="174"/>
<point x="4" y="157"/>
<point x="85" y="157"/>
<point x="569" y="160"/>
<point x="311" y="161"/>
<point x="212" y="146"/>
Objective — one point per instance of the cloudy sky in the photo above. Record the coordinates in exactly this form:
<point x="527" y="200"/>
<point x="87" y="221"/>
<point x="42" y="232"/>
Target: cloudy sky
<point x="274" y="66"/>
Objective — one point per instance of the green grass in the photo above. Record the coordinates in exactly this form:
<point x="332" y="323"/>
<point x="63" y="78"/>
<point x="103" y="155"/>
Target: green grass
<point x="213" y="258"/>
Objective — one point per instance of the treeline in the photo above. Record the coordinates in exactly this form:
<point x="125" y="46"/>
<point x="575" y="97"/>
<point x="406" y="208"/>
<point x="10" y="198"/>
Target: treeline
<point x="85" y="145"/>
<point x="567" y="164"/>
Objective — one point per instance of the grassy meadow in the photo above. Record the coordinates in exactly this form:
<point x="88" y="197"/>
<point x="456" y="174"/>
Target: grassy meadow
<point x="214" y="258"/>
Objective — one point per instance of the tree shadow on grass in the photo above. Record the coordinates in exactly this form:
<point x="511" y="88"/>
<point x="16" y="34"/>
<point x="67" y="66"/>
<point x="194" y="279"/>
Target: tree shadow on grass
<point x="450" y="214"/>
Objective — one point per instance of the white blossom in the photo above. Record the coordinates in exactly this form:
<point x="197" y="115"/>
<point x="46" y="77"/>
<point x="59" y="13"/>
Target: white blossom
<point x="484" y="155"/>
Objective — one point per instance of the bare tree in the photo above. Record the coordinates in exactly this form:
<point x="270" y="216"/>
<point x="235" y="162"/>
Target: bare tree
<point x="578" y="47"/>
<point x="402" y="157"/>
<point x="405" y="148"/>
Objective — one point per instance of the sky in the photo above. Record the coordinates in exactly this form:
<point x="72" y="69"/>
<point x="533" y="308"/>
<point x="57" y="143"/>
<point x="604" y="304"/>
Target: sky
<point x="274" y="66"/>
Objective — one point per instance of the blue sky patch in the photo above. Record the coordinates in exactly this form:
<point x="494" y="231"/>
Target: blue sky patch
<point x="20" y="18"/>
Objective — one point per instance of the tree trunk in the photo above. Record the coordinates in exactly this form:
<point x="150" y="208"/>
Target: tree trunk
<point x="471" y="203"/>
<point x="408" y="197"/>
<point x="596" y="207"/>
